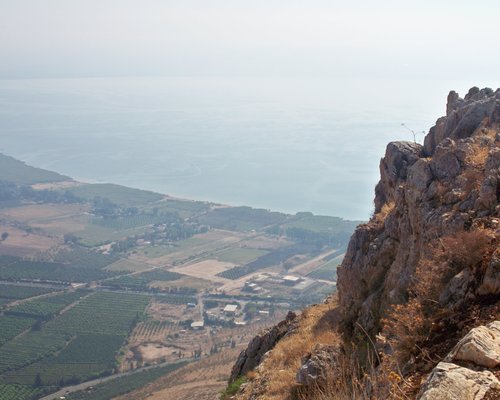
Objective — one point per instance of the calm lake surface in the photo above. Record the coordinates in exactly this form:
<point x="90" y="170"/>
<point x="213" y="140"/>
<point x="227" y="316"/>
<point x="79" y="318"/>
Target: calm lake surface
<point x="280" y="144"/>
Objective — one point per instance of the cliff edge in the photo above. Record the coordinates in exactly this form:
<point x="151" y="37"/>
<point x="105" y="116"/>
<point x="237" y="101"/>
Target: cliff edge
<point x="421" y="276"/>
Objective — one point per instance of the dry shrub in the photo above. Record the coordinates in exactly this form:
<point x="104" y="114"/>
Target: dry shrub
<point x="473" y="179"/>
<point x="464" y="249"/>
<point x="282" y="363"/>
<point x="407" y="327"/>
<point x="477" y="158"/>
<point x="384" y="212"/>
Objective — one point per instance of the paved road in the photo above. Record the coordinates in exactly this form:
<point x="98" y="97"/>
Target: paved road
<point x="85" y="385"/>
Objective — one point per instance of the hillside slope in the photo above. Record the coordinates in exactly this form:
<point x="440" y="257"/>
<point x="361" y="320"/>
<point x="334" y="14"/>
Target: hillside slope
<point x="16" y="171"/>
<point x="418" y="277"/>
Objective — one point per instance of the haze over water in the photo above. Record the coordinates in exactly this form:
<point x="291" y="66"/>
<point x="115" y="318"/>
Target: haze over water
<point x="287" y="144"/>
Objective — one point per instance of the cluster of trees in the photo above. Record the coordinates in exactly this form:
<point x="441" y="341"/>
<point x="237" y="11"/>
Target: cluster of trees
<point x="303" y="235"/>
<point x="12" y="192"/>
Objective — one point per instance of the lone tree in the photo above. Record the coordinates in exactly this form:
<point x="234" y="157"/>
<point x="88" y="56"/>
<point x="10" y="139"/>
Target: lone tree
<point x="5" y="235"/>
<point x="38" y="380"/>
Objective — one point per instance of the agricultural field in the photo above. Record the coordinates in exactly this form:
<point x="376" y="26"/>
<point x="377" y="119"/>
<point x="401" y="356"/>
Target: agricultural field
<point x="327" y="271"/>
<point x="208" y="269"/>
<point x="189" y="259"/>
<point x="21" y="392"/>
<point x="143" y="280"/>
<point x="68" y="264"/>
<point x="125" y="265"/>
<point x="12" y="325"/>
<point x="19" y="243"/>
<point x="269" y="259"/>
<point x="51" y="271"/>
<point x="79" y="344"/>
<point x="120" y="195"/>
<point x="117" y="314"/>
<point x="241" y="219"/>
<point x="123" y="385"/>
<point x="18" y="292"/>
<point x="198" y="246"/>
<point x="46" y="307"/>
<point x="240" y="255"/>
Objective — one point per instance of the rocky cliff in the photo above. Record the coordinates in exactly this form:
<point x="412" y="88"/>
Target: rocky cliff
<point x="417" y="278"/>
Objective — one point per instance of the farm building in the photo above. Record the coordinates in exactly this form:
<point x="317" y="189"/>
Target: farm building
<point x="230" y="309"/>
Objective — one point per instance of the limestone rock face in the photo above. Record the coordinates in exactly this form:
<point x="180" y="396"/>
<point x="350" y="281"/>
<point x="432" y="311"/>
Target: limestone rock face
<point x="437" y="223"/>
<point x="427" y="193"/>
<point x="479" y="349"/>
<point x="481" y="346"/>
<point x="315" y="366"/>
<point x="464" y="116"/>
<point x="451" y="382"/>
<point x="260" y="345"/>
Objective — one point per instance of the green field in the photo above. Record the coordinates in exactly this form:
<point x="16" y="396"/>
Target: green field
<point x="185" y="208"/>
<point x="47" y="306"/>
<point x="96" y="235"/>
<point x="122" y="385"/>
<point x="18" y="172"/>
<point x="14" y="292"/>
<point x="30" y="348"/>
<point x="86" y="356"/>
<point x="22" y="392"/>
<point x="241" y="218"/>
<point x="118" y="194"/>
<point x="50" y="271"/>
<point x="143" y="280"/>
<point x="239" y="255"/>
<point x="327" y="271"/>
<point x="12" y="325"/>
<point x="102" y="312"/>
<point x="124" y="265"/>
<point x="78" y="257"/>
<point x="80" y="344"/>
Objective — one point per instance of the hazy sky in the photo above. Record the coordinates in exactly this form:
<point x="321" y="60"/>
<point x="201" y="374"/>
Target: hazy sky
<point x="72" y="38"/>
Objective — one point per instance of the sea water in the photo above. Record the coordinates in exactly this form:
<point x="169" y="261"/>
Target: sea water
<point x="286" y="144"/>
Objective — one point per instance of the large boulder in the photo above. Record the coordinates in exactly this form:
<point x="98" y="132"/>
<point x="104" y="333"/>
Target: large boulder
<point x="452" y="382"/>
<point x="481" y="346"/>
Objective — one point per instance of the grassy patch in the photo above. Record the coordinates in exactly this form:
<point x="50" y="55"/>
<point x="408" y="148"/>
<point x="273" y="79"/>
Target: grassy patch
<point x="232" y="388"/>
<point x="121" y="195"/>
<point x="241" y="218"/>
<point x="240" y="255"/>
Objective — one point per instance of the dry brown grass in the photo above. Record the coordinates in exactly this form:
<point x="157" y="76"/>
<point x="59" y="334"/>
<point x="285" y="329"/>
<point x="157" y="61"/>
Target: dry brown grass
<point x="280" y="366"/>
<point x="202" y="380"/>
<point x="410" y="329"/>
<point x="384" y="212"/>
<point x="477" y="157"/>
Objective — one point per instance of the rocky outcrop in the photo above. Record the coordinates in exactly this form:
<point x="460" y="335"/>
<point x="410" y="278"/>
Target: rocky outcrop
<point x="481" y="346"/>
<point x="479" y="349"/>
<point x="315" y="366"/>
<point x="451" y="382"/>
<point x="260" y="345"/>
<point x="426" y="193"/>
<point x="464" y="116"/>
<point x="421" y="271"/>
